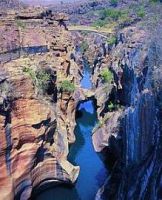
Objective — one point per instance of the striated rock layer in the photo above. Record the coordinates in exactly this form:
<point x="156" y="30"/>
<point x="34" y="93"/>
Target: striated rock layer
<point x="135" y="140"/>
<point x="37" y="117"/>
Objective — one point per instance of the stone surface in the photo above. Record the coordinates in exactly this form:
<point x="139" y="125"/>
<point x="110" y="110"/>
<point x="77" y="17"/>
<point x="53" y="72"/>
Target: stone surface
<point x="36" y="126"/>
<point x="110" y="127"/>
<point x="136" y="146"/>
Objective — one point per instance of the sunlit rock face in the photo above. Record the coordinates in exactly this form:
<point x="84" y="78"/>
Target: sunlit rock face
<point x="36" y="123"/>
<point x="137" y="170"/>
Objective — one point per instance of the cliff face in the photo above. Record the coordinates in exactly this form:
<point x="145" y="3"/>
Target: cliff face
<point x="129" y="108"/>
<point x="39" y="81"/>
<point x="136" y="142"/>
<point x="37" y="117"/>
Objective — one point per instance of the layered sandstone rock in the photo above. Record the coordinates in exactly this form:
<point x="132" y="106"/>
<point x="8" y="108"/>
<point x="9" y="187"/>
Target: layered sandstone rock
<point x="36" y="125"/>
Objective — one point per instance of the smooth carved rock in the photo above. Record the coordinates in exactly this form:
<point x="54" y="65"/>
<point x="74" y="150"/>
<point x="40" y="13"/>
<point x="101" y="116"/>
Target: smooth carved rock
<point x="110" y="128"/>
<point x="35" y="130"/>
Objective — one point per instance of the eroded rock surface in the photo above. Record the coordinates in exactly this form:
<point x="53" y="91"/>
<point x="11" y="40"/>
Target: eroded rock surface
<point x="37" y="118"/>
<point x="136" y="146"/>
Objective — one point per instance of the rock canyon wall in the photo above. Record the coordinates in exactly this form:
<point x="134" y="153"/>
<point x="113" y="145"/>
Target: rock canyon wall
<point x="130" y="135"/>
<point x="37" y="113"/>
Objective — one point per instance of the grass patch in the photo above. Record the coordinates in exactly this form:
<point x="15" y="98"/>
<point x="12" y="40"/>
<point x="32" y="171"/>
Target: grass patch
<point x="67" y="86"/>
<point x="43" y="79"/>
<point x="106" y="76"/>
<point x="111" y="15"/>
<point x="112" y="40"/>
<point x="30" y="72"/>
<point x="111" y="106"/>
<point x="140" y="12"/>
<point x="100" y="23"/>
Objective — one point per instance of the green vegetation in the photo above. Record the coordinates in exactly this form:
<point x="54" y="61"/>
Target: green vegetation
<point x="29" y="71"/>
<point x="114" y="2"/>
<point x="67" y="86"/>
<point x="101" y="122"/>
<point x="154" y="1"/>
<point x="111" y="106"/>
<point x="120" y="18"/>
<point x="100" y="23"/>
<point x="140" y="12"/>
<point x="112" y="14"/>
<point x="107" y="16"/>
<point x="84" y="46"/>
<point x="40" y="78"/>
<point x="106" y="75"/>
<point x="20" y="24"/>
<point x="111" y="40"/>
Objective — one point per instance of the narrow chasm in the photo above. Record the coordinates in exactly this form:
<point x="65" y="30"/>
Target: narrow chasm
<point x="82" y="152"/>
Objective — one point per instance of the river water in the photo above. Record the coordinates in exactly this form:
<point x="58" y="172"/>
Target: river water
<point x="92" y="170"/>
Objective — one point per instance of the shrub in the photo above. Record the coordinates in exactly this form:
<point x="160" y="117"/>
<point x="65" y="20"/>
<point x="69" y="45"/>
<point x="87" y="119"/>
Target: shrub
<point x="43" y="79"/>
<point x="40" y="78"/>
<point x="107" y="76"/>
<point x="100" y="23"/>
<point x="107" y="16"/>
<point x="67" y="86"/>
<point x="111" y="14"/>
<point x="111" y="106"/>
<point x="112" y="40"/>
<point x="141" y="12"/>
<point x="29" y="71"/>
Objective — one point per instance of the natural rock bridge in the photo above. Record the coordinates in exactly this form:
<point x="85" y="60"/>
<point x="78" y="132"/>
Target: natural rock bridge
<point x="100" y="31"/>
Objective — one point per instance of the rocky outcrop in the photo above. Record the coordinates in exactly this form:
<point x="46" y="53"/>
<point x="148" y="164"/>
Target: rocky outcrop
<point x="81" y="12"/>
<point x="128" y="110"/>
<point x="7" y="4"/>
<point x="109" y="128"/>
<point x="37" y="119"/>
<point x="136" y="170"/>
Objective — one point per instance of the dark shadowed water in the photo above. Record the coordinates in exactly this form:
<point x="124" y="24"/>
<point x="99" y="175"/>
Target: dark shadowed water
<point x="92" y="169"/>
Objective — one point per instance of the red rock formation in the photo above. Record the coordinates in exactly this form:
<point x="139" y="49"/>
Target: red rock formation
<point x="35" y="130"/>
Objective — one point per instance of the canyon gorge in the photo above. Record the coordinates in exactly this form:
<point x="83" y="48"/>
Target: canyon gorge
<point x="81" y="100"/>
